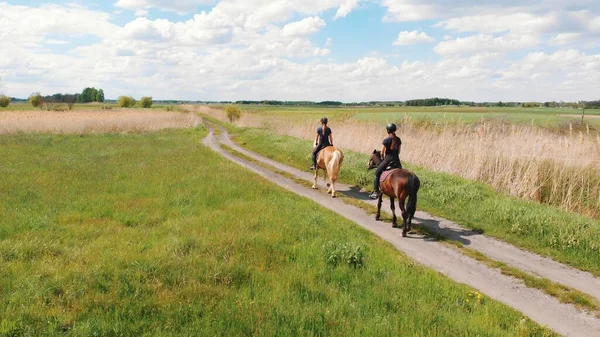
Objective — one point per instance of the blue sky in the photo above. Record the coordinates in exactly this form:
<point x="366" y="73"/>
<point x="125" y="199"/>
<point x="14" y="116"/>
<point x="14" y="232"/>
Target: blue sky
<point x="351" y="50"/>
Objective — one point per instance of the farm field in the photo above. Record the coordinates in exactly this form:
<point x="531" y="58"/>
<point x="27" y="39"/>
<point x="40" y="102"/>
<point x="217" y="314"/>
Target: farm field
<point x="26" y="106"/>
<point x="545" y="117"/>
<point x="93" y="121"/>
<point x="138" y="234"/>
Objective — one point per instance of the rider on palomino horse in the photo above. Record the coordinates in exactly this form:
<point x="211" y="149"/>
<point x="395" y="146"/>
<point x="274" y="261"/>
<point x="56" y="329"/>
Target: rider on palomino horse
<point x="391" y="157"/>
<point x="322" y="140"/>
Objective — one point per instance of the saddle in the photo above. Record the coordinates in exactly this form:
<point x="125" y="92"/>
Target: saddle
<point x="323" y="148"/>
<point x="389" y="170"/>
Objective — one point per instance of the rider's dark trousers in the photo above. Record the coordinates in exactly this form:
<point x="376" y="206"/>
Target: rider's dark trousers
<point x="382" y="166"/>
<point x="316" y="151"/>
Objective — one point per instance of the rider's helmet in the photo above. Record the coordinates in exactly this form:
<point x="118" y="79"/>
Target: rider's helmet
<point x="324" y="120"/>
<point x="391" y="128"/>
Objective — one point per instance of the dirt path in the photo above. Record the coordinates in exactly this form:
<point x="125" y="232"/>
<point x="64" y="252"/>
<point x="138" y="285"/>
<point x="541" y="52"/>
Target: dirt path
<point x="495" y="249"/>
<point x="546" y="310"/>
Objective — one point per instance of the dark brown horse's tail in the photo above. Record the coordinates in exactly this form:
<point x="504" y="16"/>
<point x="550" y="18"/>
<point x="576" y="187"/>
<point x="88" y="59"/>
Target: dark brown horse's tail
<point x="413" y="188"/>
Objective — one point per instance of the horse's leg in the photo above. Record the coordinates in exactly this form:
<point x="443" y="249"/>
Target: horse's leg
<point x="314" y="186"/>
<point x="393" y="207"/>
<point x="401" y="202"/>
<point x="332" y="189"/>
<point x="379" y="202"/>
<point x="328" y="184"/>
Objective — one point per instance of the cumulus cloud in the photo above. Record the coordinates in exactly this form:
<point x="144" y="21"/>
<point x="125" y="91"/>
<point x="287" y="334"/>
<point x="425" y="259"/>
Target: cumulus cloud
<point x="486" y="43"/>
<point x="304" y="27"/>
<point x="177" y="6"/>
<point x="407" y="10"/>
<point x="497" y="23"/>
<point x="406" y="38"/>
<point x="35" y="23"/>
<point x="345" y="8"/>
<point x="565" y="38"/>
<point x="264" y="49"/>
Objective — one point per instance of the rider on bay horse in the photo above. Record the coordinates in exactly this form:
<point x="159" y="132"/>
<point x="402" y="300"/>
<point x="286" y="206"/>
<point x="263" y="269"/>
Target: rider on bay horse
<point x="322" y="140"/>
<point x="391" y="156"/>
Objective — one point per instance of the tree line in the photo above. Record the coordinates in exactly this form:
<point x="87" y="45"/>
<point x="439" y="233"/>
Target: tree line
<point x="50" y="102"/>
<point x="89" y="95"/>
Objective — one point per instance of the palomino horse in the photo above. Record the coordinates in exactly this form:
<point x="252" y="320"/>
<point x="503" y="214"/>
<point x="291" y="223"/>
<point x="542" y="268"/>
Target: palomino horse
<point x="397" y="183"/>
<point x="330" y="160"/>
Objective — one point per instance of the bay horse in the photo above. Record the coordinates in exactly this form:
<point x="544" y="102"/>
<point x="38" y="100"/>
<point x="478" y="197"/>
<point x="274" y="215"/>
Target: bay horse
<point x="330" y="160"/>
<point x="397" y="183"/>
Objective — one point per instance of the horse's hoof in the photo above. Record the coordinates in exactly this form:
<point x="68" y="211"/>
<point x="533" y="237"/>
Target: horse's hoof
<point x="404" y="234"/>
<point x="314" y="187"/>
<point x="377" y="218"/>
<point x="333" y="196"/>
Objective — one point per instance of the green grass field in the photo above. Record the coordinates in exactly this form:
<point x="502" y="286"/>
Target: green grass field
<point x="155" y="235"/>
<point x="567" y="237"/>
<point x="548" y="117"/>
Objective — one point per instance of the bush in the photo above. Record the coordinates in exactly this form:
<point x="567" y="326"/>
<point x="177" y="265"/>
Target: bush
<point x="4" y="101"/>
<point x="36" y="100"/>
<point x="233" y="113"/>
<point x="126" y="102"/>
<point x="146" y="102"/>
<point x="344" y="253"/>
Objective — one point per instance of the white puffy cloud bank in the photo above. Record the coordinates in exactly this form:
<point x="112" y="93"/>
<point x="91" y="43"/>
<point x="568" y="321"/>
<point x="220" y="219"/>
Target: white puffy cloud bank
<point x="270" y="49"/>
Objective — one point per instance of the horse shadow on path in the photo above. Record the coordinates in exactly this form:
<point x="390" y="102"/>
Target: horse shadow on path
<point x="460" y="235"/>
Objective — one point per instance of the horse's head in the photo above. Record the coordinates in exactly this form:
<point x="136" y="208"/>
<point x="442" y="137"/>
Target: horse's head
<point x="375" y="160"/>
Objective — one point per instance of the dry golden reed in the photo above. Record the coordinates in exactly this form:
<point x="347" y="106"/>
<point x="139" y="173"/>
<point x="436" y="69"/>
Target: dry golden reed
<point x="90" y="121"/>
<point x="522" y="160"/>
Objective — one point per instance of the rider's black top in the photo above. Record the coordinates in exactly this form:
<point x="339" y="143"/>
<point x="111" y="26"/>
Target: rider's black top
<point x="324" y="136"/>
<point x="389" y="153"/>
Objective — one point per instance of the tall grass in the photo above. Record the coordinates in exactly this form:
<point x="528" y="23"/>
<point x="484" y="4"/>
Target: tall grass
<point x="155" y="235"/>
<point x="93" y="121"/>
<point x="555" y="168"/>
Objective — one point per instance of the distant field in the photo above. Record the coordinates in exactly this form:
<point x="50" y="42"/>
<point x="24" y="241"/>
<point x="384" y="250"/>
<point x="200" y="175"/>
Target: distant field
<point x="467" y="115"/>
<point x="21" y="106"/>
<point x="93" y="121"/>
<point x="154" y="234"/>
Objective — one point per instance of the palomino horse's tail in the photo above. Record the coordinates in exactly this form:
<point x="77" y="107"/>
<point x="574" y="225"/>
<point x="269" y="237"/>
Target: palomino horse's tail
<point x="334" y="165"/>
<point x="413" y="188"/>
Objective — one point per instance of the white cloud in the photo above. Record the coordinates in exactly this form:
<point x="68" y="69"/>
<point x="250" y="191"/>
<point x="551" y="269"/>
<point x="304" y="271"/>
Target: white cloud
<point x="570" y="70"/>
<point x="56" y="42"/>
<point x="407" y="10"/>
<point x="486" y="43"/>
<point x="498" y="23"/>
<point x="177" y="6"/>
<point x="141" y="12"/>
<point x="243" y="50"/>
<point x="346" y="7"/>
<point x="35" y="23"/>
<point x="413" y="37"/>
<point x="565" y="38"/>
<point x="304" y="27"/>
